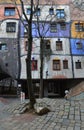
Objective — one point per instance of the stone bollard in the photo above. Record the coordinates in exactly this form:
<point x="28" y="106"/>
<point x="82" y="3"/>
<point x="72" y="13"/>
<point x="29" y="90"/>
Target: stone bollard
<point x="22" y="96"/>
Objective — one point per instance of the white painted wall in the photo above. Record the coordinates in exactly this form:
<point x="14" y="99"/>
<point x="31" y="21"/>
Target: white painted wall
<point x="65" y="44"/>
<point x="3" y="33"/>
<point x="65" y="72"/>
<point x="47" y="63"/>
<point x="79" y="73"/>
<point x="45" y="12"/>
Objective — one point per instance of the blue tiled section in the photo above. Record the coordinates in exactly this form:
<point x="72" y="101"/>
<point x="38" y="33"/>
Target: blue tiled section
<point x="45" y="30"/>
<point x="74" y="49"/>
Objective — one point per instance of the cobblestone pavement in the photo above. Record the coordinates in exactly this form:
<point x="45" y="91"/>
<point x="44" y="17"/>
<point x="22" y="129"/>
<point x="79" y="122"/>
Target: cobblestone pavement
<point x="64" y="115"/>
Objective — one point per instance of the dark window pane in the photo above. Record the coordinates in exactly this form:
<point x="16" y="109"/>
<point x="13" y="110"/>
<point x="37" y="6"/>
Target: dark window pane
<point x="78" y="65"/>
<point x="56" y="64"/>
<point x="53" y="27"/>
<point x="34" y="65"/>
<point x="63" y="26"/>
<point x="38" y="13"/>
<point x="65" y="64"/>
<point x="79" y="45"/>
<point x="47" y="44"/>
<point x="60" y="13"/>
<point x="3" y="46"/>
<point x="79" y="27"/>
<point x="11" y="27"/>
<point x="9" y="11"/>
<point x="59" y="45"/>
<point x="51" y="11"/>
<point x="29" y="11"/>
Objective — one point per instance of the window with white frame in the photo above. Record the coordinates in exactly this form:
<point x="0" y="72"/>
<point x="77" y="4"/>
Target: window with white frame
<point x="60" y="13"/>
<point x="11" y="27"/>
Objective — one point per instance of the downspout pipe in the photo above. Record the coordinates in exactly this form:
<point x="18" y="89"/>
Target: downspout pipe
<point x="19" y="52"/>
<point x="71" y="51"/>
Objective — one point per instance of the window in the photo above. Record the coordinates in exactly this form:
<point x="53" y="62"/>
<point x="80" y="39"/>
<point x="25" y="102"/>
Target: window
<point x="79" y="45"/>
<point x="3" y="46"/>
<point x="53" y="27"/>
<point x="11" y="27"/>
<point x="38" y="12"/>
<point x="63" y="26"/>
<point x="60" y="14"/>
<point x="34" y="65"/>
<point x="9" y="11"/>
<point x="47" y="44"/>
<point x="56" y="64"/>
<point x="78" y="64"/>
<point x="59" y="45"/>
<point x="51" y="11"/>
<point x="26" y="45"/>
<point x="65" y="64"/>
<point x="29" y="11"/>
<point x="79" y="27"/>
<point x="36" y="87"/>
<point x="25" y="30"/>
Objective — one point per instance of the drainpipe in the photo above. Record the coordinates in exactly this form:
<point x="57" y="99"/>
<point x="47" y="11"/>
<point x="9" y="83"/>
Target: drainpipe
<point x="71" y="52"/>
<point x="19" y="60"/>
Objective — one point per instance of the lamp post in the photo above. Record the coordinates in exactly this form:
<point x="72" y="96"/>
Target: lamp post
<point x="46" y="74"/>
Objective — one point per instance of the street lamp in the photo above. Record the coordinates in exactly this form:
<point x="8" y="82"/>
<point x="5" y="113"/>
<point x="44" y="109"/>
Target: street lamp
<point x="46" y="74"/>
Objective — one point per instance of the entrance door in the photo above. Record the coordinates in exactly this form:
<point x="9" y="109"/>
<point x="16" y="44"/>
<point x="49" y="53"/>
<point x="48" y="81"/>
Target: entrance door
<point x="54" y="89"/>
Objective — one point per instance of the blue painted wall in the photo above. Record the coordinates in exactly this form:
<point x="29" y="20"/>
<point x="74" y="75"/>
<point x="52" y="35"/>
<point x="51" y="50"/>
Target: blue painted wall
<point x="45" y="31"/>
<point x="74" y="49"/>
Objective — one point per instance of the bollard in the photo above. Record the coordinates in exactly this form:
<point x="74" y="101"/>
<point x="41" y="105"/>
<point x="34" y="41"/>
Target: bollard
<point x="22" y="96"/>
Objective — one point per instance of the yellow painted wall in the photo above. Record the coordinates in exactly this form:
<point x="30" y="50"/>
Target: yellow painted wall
<point x="74" y="33"/>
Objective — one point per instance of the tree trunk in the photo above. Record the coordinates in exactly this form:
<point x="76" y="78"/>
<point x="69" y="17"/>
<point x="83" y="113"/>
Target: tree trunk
<point x="41" y="69"/>
<point x="29" y="84"/>
<point x="28" y="67"/>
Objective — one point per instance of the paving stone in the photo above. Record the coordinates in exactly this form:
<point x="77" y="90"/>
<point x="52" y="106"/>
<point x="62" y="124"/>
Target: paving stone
<point x="64" y="115"/>
<point x="71" y="117"/>
<point x="77" y="117"/>
<point x="63" y="128"/>
<point x="77" y="128"/>
<point x="82" y="118"/>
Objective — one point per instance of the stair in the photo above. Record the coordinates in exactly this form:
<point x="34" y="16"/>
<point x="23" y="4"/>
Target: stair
<point x="77" y="92"/>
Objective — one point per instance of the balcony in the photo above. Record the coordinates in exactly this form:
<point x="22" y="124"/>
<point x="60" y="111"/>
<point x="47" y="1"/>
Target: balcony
<point x="60" y="19"/>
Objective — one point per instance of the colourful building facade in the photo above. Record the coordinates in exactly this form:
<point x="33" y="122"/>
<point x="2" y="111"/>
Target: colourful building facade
<point x="63" y="33"/>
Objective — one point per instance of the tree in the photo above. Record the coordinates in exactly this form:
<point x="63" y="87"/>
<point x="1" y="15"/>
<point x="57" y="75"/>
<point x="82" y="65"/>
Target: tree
<point x="42" y="32"/>
<point x="28" y="27"/>
<point x="29" y="21"/>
